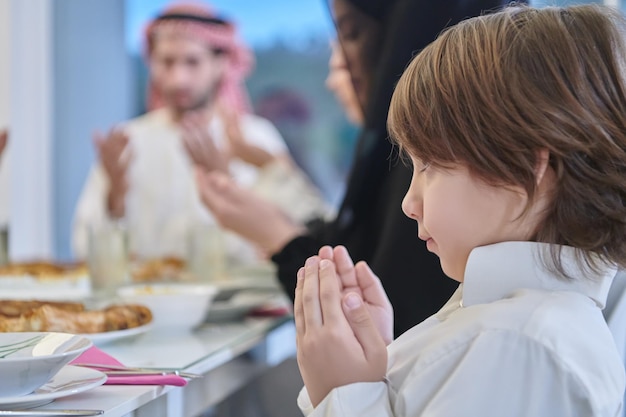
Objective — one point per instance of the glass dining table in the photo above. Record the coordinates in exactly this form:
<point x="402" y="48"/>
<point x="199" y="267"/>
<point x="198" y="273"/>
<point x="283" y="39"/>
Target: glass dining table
<point x="227" y="354"/>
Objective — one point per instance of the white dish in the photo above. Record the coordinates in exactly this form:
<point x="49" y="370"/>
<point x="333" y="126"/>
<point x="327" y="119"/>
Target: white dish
<point x="31" y="288"/>
<point x="70" y="380"/>
<point x="104" y="338"/>
<point x="29" y="359"/>
<point x="180" y="306"/>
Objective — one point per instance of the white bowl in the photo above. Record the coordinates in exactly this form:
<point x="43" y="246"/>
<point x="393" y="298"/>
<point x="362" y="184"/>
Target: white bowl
<point x="173" y="305"/>
<point x="28" y="360"/>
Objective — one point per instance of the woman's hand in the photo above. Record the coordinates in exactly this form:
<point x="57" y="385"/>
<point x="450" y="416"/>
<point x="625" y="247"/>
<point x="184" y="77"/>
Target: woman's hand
<point x="338" y="342"/>
<point x="244" y="213"/>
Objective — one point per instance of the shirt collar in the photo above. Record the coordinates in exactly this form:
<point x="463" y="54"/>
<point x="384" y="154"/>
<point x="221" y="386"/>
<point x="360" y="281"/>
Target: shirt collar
<point x="494" y="272"/>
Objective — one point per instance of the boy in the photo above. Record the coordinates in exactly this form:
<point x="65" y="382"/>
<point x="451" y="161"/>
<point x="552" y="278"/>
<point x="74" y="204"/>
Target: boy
<point x="515" y="124"/>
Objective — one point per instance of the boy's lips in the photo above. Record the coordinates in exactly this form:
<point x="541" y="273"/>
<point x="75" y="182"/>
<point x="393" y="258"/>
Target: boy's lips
<point x="429" y="241"/>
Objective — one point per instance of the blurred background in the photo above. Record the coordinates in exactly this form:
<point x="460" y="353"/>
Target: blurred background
<point x="70" y="67"/>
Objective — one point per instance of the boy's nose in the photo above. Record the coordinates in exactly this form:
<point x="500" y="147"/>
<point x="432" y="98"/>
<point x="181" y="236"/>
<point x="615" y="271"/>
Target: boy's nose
<point x="412" y="207"/>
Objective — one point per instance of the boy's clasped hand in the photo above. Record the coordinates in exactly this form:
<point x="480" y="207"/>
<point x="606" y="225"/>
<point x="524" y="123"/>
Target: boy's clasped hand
<point x="344" y="322"/>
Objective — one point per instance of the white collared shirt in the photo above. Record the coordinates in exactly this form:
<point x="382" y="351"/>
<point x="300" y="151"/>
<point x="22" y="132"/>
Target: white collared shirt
<point x="514" y="340"/>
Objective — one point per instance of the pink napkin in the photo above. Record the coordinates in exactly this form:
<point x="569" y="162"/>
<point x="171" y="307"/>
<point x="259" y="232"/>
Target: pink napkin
<point x="95" y="355"/>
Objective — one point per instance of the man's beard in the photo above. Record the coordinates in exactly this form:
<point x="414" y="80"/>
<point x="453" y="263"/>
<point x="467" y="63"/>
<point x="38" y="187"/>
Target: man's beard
<point x="204" y="100"/>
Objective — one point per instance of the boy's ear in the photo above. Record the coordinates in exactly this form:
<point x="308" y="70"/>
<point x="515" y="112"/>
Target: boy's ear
<point x="541" y="164"/>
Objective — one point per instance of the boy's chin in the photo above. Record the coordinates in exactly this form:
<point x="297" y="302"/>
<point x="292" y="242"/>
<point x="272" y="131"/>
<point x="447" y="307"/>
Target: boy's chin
<point x="452" y="273"/>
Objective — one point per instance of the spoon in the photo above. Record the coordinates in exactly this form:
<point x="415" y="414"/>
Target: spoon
<point x="127" y="370"/>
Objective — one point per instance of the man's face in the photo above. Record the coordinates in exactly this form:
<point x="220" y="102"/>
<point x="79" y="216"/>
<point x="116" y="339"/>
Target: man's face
<point x="186" y="72"/>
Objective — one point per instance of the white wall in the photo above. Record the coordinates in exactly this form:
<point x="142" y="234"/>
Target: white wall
<point x="30" y="122"/>
<point x="5" y="52"/>
<point x="94" y="90"/>
<point x="5" y="99"/>
<point x="64" y="72"/>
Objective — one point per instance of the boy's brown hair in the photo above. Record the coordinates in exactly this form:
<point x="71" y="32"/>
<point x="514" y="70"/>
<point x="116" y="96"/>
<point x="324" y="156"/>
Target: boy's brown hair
<point x="492" y="91"/>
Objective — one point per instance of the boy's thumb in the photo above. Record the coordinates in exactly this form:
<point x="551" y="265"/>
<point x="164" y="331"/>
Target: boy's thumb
<point x="361" y="323"/>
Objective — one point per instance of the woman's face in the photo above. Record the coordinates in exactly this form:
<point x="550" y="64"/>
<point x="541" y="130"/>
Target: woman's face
<point x="359" y="36"/>
<point x="339" y="82"/>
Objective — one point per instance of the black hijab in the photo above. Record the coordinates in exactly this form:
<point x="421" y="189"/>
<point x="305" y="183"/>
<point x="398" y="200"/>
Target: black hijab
<point x="407" y="26"/>
<point x="370" y="221"/>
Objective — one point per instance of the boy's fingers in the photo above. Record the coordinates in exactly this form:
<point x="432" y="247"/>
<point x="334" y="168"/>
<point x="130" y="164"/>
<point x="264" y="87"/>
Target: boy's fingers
<point x="363" y="326"/>
<point x="298" y="310"/>
<point x="326" y="252"/>
<point x="345" y="267"/>
<point x="370" y="284"/>
<point x="330" y="292"/>
<point x="311" y="294"/>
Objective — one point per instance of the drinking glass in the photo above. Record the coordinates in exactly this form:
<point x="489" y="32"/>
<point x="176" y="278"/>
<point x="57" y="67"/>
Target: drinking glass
<point x="107" y="259"/>
<point x="206" y="254"/>
<point x="4" y="245"/>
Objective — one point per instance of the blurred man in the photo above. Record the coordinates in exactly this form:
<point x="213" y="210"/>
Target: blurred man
<point x="199" y="118"/>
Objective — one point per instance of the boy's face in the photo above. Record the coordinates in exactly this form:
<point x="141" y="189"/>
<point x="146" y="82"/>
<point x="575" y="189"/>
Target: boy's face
<point x="186" y="72"/>
<point x="457" y="212"/>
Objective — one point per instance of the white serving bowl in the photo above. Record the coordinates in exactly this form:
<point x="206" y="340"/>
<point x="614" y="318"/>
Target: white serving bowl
<point x="28" y="360"/>
<point x="176" y="306"/>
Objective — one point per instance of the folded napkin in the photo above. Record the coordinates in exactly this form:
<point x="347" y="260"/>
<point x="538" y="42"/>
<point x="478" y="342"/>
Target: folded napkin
<point x="95" y="355"/>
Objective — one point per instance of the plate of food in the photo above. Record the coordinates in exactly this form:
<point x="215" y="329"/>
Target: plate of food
<point x="104" y="338"/>
<point x="44" y="280"/>
<point x="100" y="325"/>
<point x="159" y="269"/>
<point x="43" y="270"/>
